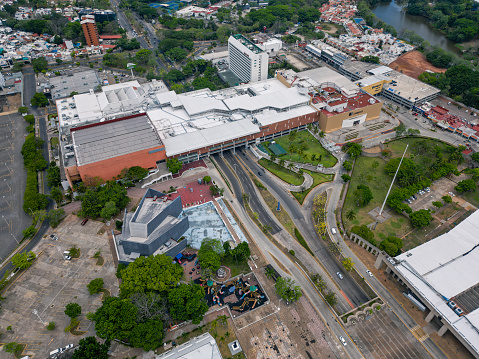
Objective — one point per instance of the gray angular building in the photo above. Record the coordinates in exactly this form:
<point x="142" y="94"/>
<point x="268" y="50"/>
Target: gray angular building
<point x="154" y="228"/>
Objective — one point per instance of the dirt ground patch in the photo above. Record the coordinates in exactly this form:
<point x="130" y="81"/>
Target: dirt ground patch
<point x="413" y="64"/>
<point x="448" y="343"/>
<point x="285" y="331"/>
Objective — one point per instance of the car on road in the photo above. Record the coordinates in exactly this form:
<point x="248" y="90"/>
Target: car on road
<point x="343" y="341"/>
<point x="339" y="275"/>
<point x="333" y="230"/>
<point x="53" y="237"/>
<point x="259" y="173"/>
<point x="368" y="272"/>
<point x="84" y="221"/>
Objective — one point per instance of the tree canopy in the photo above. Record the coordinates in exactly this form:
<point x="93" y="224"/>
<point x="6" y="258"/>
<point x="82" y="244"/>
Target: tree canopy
<point x="154" y="273"/>
<point x="174" y="165"/>
<point x="363" y="195"/>
<point x="186" y="302"/>
<point x="73" y="310"/>
<point x="23" y="260"/>
<point x="89" y="348"/>
<point x="39" y="100"/>
<point x="114" y="319"/>
<point x="95" y="199"/>
<point x="391" y="245"/>
<point x="420" y="218"/>
<point x="467" y="185"/>
<point x="287" y="290"/>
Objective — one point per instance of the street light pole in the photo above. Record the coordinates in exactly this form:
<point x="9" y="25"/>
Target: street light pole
<point x="394" y="178"/>
<point x="34" y="311"/>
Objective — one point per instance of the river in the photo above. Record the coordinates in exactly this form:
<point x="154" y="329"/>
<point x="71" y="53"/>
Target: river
<point x="393" y="14"/>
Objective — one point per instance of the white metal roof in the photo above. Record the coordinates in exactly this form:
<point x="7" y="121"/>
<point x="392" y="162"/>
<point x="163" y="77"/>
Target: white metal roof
<point x="444" y="268"/>
<point x="209" y="136"/>
<point x="380" y="70"/>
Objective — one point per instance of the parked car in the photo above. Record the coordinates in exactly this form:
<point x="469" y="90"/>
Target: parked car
<point x="84" y="221"/>
<point x="427" y="189"/>
<point x="369" y="273"/>
<point x="414" y="197"/>
<point x="53" y="237"/>
<point x="66" y="255"/>
<point x="452" y="194"/>
<point x="408" y="201"/>
<point x="339" y="275"/>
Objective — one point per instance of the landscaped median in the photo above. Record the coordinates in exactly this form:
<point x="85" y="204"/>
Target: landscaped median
<point x="318" y="178"/>
<point x="281" y="172"/>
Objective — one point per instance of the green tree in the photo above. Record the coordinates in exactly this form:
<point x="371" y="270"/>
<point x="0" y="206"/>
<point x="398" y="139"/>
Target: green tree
<point x="400" y="130"/>
<point x="474" y="156"/>
<point x="73" y="93"/>
<point x="241" y="252"/>
<point x="287" y="290"/>
<point x="347" y="165"/>
<point x="371" y="59"/>
<point x="95" y="285"/>
<point x="348" y="264"/>
<point x="136" y="173"/>
<point x="12" y="347"/>
<point x="109" y="210"/>
<point x="330" y="298"/>
<point x="147" y="335"/>
<point x="391" y="245"/>
<point x="23" y="260"/>
<point x="57" y="195"/>
<point x="153" y="273"/>
<point x="176" y="54"/>
<point x="351" y="214"/>
<point x="363" y="195"/>
<point x="55" y="216"/>
<point x="73" y="310"/>
<point x="89" y="348"/>
<point x="345" y="177"/>
<point x="211" y="244"/>
<point x="39" y="100"/>
<point x="209" y="260"/>
<point x="353" y="149"/>
<point x="174" y="165"/>
<point x="53" y="175"/>
<point x="51" y="326"/>
<point x="115" y="319"/>
<point x="23" y="109"/>
<point x="420" y="218"/>
<point x="467" y="185"/>
<point x="206" y="179"/>
<point x="364" y="232"/>
<point x="447" y="199"/>
<point x="437" y="204"/>
<point x="186" y="302"/>
<point x="29" y="231"/>
<point x="39" y="64"/>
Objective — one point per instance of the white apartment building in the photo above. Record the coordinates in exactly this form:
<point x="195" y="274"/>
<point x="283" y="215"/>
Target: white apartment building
<point x="247" y="60"/>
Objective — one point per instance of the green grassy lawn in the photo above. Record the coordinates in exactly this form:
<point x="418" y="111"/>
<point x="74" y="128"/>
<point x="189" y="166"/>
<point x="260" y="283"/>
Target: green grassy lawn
<point x="285" y="174"/>
<point x="236" y="267"/>
<point x="318" y="178"/>
<point x="471" y="197"/>
<point x="54" y="142"/>
<point x="378" y="181"/>
<point x="313" y="146"/>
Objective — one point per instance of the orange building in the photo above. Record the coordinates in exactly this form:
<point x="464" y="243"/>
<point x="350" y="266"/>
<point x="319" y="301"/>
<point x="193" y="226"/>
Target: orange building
<point x="104" y="149"/>
<point x="89" y="29"/>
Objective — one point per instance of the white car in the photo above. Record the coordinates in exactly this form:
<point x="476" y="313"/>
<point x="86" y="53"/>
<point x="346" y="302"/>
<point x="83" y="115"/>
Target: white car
<point x="343" y="341"/>
<point x="452" y="194"/>
<point x="53" y="237"/>
<point x="339" y="275"/>
<point x="369" y="273"/>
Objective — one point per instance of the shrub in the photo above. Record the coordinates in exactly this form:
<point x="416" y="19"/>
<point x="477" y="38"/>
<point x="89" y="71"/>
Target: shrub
<point x="51" y="326"/>
<point x="291" y="252"/>
<point x="95" y="286"/>
<point x="73" y="310"/>
<point x="447" y="199"/>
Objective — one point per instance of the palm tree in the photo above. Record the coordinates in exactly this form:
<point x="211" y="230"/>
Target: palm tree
<point x="321" y="134"/>
<point x="351" y="215"/>
<point x="273" y="157"/>
<point x="313" y="157"/>
<point x="281" y="162"/>
<point x="291" y="166"/>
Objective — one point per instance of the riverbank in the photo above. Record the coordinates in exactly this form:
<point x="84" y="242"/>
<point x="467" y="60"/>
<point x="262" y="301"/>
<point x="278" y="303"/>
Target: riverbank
<point x="413" y="64"/>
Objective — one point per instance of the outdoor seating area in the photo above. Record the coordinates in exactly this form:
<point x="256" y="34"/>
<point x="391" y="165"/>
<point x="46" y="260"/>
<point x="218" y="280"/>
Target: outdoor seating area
<point x="240" y="294"/>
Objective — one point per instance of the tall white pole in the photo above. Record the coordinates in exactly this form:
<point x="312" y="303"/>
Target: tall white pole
<point x="394" y="178"/>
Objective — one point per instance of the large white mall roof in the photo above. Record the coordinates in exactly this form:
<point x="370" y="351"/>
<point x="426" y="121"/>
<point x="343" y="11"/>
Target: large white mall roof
<point x="444" y="268"/>
<point x="209" y="136"/>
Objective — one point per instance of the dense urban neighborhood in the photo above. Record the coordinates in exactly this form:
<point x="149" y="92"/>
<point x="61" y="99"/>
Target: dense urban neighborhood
<point x="239" y="179"/>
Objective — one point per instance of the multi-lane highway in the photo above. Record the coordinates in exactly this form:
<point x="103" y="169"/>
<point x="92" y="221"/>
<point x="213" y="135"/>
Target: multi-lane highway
<point x="348" y="288"/>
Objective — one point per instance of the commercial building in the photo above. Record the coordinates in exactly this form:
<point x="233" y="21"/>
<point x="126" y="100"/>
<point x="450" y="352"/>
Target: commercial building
<point x="62" y="86"/>
<point x="201" y="347"/>
<point x="154" y="228"/>
<point x="89" y="30"/>
<point x="133" y="124"/>
<point x="443" y="277"/>
<point x="100" y="15"/>
<point x="247" y="61"/>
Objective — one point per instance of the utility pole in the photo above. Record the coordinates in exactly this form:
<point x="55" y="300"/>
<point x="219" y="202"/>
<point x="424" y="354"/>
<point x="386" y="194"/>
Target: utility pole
<point x="394" y="178"/>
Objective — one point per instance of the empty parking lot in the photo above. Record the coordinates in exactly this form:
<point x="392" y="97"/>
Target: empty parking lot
<point x="51" y="283"/>
<point x="382" y="335"/>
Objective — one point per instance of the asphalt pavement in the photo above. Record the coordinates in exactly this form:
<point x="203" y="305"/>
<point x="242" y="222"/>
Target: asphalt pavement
<point x="302" y="219"/>
<point x="29" y="89"/>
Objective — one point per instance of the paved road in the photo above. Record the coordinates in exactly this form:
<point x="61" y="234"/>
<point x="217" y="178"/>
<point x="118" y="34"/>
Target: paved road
<point x="302" y="219"/>
<point x="269" y="250"/>
<point x="29" y="88"/>
<point x="247" y="187"/>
